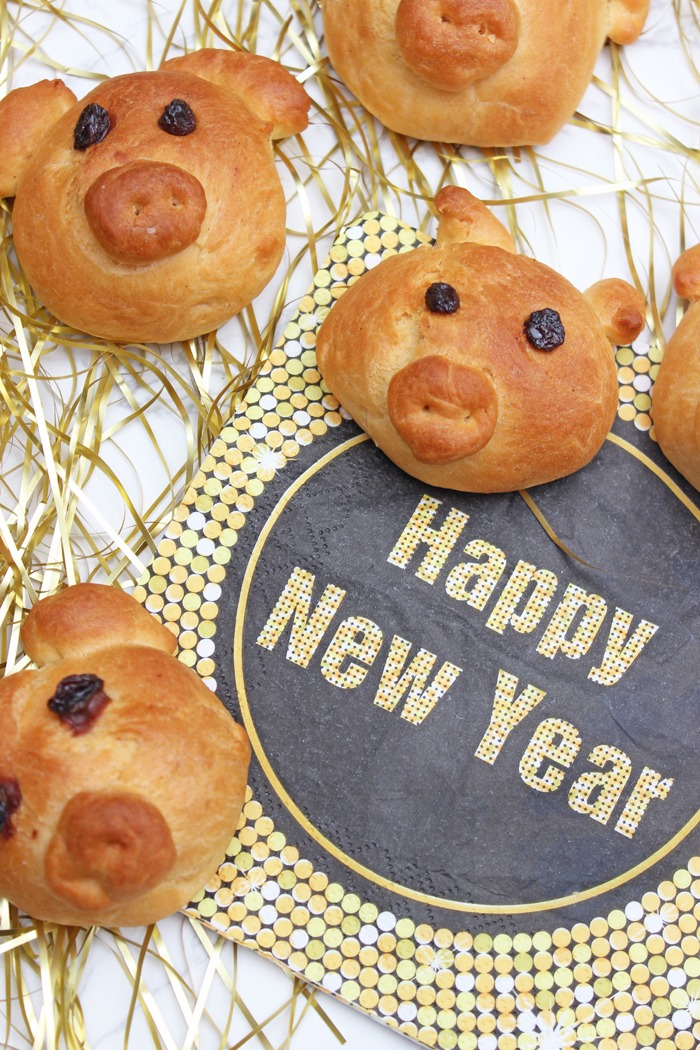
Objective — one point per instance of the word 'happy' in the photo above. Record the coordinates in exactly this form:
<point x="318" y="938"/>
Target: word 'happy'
<point x="522" y="605"/>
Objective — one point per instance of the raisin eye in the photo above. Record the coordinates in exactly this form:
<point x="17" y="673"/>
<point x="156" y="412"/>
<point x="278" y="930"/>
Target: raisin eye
<point x="10" y="799"/>
<point x="441" y="298"/>
<point x="79" y="699"/>
<point x="177" y="118"/>
<point x="93" y="125"/>
<point x="544" y="330"/>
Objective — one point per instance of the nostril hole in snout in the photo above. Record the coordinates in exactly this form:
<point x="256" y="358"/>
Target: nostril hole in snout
<point x="143" y="211"/>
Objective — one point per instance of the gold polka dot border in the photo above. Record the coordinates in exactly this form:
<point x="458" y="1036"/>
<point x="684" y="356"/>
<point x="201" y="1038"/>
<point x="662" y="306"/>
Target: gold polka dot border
<point x="636" y="372"/>
<point x="628" y="979"/>
<point x="623" y="981"/>
<point x="287" y="407"/>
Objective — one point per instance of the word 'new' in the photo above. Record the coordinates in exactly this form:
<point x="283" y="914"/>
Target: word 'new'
<point x="553" y="747"/>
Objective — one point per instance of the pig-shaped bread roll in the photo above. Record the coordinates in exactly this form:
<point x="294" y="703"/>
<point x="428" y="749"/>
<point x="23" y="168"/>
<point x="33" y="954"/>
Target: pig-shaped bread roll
<point x="675" y="404"/>
<point x="473" y="367"/>
<point x="477" y="72"/>
<point x="151" y="210"/>
<point x="122" y="776"/>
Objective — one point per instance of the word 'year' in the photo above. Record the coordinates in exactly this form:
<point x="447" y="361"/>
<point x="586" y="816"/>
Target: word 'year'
<point x="552" y="749"/>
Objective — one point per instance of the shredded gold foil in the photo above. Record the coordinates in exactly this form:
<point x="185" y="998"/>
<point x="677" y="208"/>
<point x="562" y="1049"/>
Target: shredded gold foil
<point x="77" y="415"/>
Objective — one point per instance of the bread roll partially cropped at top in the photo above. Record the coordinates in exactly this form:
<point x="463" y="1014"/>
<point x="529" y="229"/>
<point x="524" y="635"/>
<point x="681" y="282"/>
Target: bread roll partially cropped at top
<point x="122" y="776"/>
<point x="675" y="405"/>
<point x="151" y="210"/>
<point x="475" y="368"/>
<point x="476" y="72"/>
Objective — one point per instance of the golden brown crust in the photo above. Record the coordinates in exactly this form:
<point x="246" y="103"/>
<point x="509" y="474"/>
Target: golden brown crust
<point x="107" y="847"/>
<point x="452" y="43"/>
<point x="686" y="273"/>
<point x="443" y="410"/>
<point x="626" y="19"/>
<point x="121" y="285"/>
<point x="675" y="406"/>
<point x="676" y="392"/>
<point x="265" y="87"/>
<point x="620" y="307"/>
<point x="465" y="399"/>
<point x="505" y="98"/>
<point x="115" y="824"/>
<point x="89" y="616"/>
<point x="24" y="116"/>
<point x="463" y="217"/>
<point x="144" y="211"/>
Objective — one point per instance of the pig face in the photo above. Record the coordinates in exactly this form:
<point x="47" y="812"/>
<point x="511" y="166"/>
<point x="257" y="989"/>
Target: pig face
<point x="475" y="368"/>
<point x="151" y="210"/>
<point x="478" y="72"/>
<point x="112" y="751"/>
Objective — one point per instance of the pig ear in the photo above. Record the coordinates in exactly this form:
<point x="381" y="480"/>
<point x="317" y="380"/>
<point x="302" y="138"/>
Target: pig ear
<point x="626" y="19"/>
<point x="686" y="274"/>
<point x="463" y="217"/>
<point x="25" y="116"/>
<point x="620" y="308"/>
<point x="264" y="86"/>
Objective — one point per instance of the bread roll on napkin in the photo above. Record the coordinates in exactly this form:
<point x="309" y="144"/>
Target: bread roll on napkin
<point x="473" y="367"/>
<point x="122" y="776"/>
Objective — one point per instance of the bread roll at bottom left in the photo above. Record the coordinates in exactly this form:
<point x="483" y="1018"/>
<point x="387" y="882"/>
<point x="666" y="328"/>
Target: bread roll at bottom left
<point x="122" y="776"/>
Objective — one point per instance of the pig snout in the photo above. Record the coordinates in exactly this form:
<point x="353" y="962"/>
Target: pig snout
<point x="145" y="211"/>
<point x="442" y="409"/>
<point x="453" y="43"/>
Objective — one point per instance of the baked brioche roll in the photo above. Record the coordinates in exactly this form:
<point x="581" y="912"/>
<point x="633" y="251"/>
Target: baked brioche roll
<point x="151" y="210"/>
<point x="675" y="406"/>
<point x="473" y="367"/>
<point x="477" y="72"/>
<point x="121" y="775"/>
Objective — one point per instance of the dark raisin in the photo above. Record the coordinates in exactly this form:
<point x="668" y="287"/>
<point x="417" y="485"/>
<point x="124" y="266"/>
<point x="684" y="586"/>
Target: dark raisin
<point x="10" y="799"/>
<point x="177" y="118"/>
<point x="544" y="330"/>
<point x="93" y="125"/>
<point x="441" y="298"/>
<point x="78" y="700"/>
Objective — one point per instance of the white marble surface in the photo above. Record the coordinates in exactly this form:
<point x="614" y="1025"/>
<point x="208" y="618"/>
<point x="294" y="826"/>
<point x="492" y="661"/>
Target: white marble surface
<point x="584" y="244"/>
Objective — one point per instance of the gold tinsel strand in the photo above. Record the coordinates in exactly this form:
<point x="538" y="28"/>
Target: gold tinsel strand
<point x="71" y="405"/>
